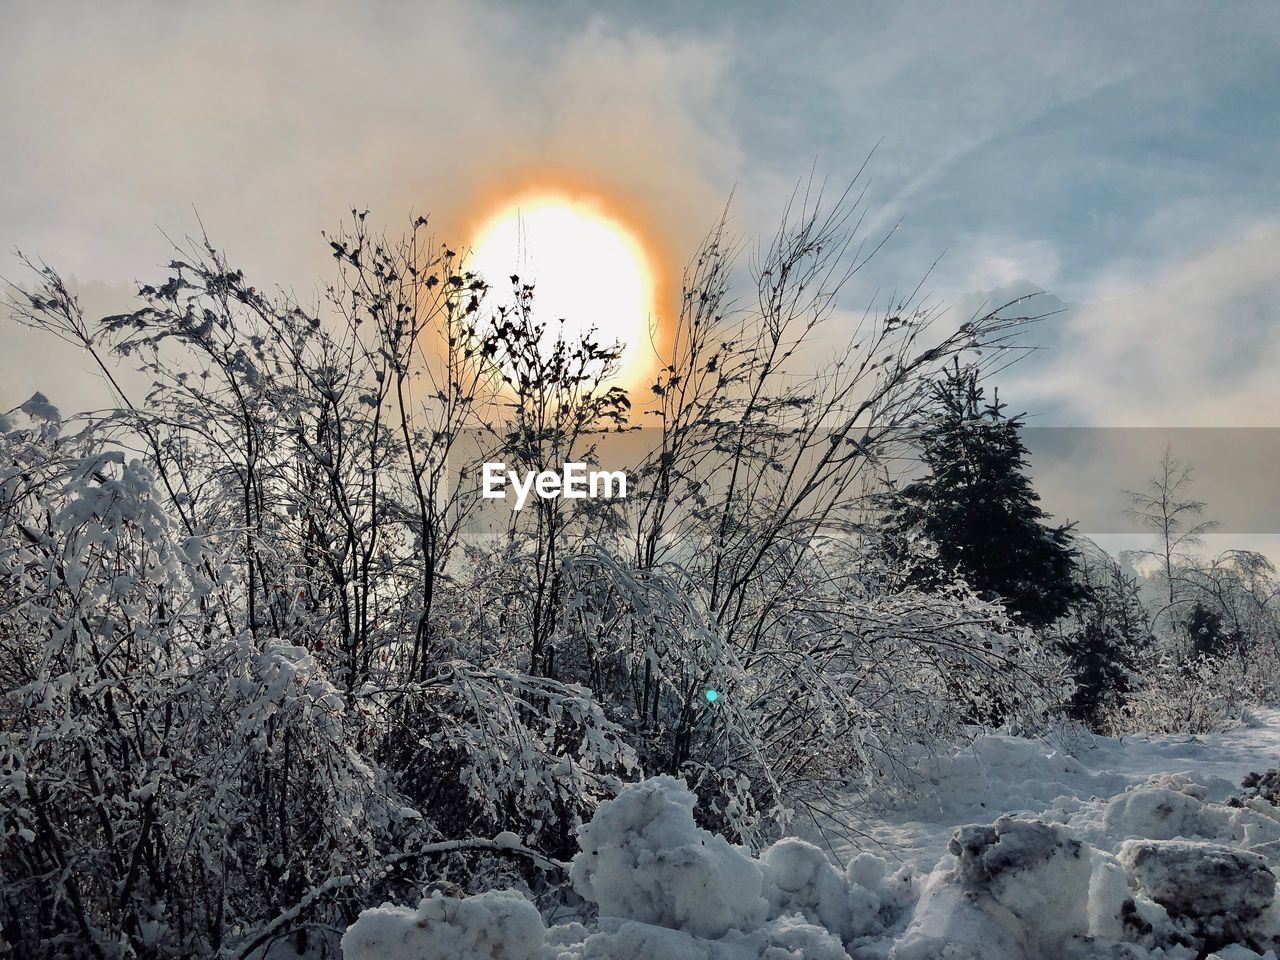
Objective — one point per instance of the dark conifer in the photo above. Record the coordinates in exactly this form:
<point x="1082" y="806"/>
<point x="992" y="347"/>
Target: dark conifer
<point x="976" y="504"/>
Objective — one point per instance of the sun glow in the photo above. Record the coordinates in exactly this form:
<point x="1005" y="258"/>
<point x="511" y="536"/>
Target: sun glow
<point x="589" y="270"/>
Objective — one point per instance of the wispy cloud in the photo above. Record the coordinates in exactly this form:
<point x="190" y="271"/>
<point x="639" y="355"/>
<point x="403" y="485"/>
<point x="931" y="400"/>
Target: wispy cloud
<point x="1197" y="345"/>
<point x="272" y="119"/>
<point x="1114" y="154"/>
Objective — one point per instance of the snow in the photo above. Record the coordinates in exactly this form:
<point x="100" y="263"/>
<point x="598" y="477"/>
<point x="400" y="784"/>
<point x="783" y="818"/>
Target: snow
<point x="800" y="879"/>
<point x="643" y="858"/>
<point x="999" y="774"/>
<point x="1200" y="879"/>
<point x="1118" y="848"/>
<point x="39" y="408"/>
<point x="1077" y="850"/>
<point x="497" y="925"/>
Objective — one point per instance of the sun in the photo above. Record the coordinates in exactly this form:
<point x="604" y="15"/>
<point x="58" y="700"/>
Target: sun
<point x="589" y="271"/>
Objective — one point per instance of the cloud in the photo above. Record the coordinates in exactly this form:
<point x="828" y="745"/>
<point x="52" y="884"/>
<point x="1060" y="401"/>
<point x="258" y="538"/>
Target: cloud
<point x="1198" y="345"/>
<point x="999" y="261"/>
<point x="273" y="119"/>
<point x="1054" y="146"/>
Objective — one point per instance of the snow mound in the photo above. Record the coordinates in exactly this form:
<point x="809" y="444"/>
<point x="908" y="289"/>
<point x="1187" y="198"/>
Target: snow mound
<point x="1172" y="807"/>
<point x="998" y="772"/>
<point x="862" y="901"/>
<point x="1026" y="885"/>
<point x="666" y="890"/>
<point x="1222" y="892"/>
<point x="1029" y="890"/>
<point x="784" y="938"/>
<point x="1174" y="866"/>
<point x="643" y="858"/>
<point x="498" y="925"/>
<point x="1158" y="813"/>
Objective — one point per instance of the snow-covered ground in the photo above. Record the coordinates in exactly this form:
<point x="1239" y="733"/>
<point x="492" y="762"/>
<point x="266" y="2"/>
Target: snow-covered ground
<point x="999" y="775"/>
<point x="1011" y="849"/>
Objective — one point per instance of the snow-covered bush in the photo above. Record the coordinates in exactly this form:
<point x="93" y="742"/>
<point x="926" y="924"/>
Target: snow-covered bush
<point x="165" y="778"/>
<point x="1215" y="654"/>
<point x="492" y="749"/>
<point x="1190" y="695"/>
<point x="865" y="672"/>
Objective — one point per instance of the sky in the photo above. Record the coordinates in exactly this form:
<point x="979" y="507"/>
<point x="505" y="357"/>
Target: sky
<point x="1120" y="157"/>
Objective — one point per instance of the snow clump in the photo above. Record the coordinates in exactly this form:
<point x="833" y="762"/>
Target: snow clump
<point x="643" y="858"/>
<point x="497" y="925"/>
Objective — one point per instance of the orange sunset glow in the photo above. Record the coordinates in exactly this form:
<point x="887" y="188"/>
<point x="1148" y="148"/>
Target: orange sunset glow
<point x="590" y="269"/>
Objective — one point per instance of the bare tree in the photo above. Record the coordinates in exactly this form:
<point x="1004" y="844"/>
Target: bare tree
<point x="1240" y="586"/>
<point x="558" y="398"/>
<point x="766" y="439"/>
<point x="1165" y="508"/>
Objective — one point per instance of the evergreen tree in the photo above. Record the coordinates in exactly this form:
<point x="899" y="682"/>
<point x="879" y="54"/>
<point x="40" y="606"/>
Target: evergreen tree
<point x="977" y="506"/>
<point x="1102" y="647"/>
<point x="1209" y="640"/>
